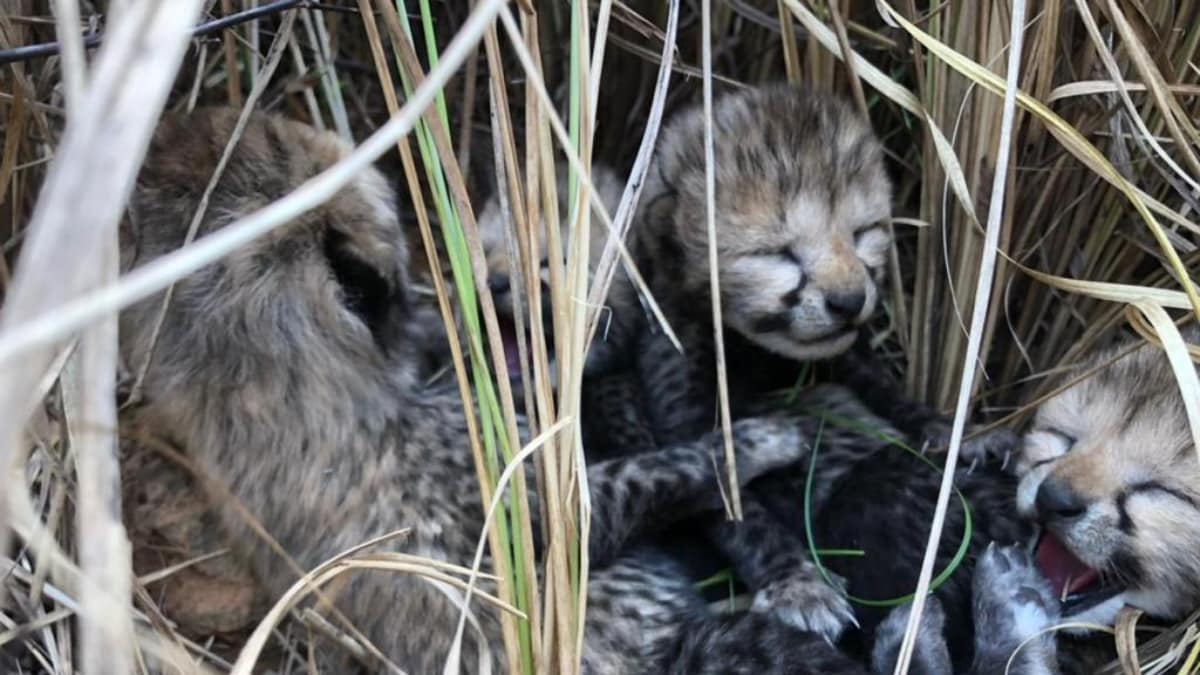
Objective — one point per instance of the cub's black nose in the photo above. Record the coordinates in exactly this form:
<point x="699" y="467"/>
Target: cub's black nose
<point x="846" y="306"/>
<point x="1057" y="500"/>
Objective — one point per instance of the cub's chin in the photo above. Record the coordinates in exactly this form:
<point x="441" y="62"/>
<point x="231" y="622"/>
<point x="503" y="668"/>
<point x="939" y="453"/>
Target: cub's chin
<point x="806" y="349"/>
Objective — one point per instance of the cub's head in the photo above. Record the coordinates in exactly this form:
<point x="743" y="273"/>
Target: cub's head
<point x="499" y="246"/>
<point x="312" y="314"/>
<point x="802" y="200"/>
<point x="1109" y="469"/>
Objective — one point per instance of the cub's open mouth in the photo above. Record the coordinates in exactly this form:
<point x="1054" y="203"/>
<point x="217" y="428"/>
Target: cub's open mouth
<point x="1076" y="585"/>
<point x="512" y="352"/>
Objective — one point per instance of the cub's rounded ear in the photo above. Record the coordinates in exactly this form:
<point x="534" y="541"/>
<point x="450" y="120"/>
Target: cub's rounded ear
<point x="377" y="301"/>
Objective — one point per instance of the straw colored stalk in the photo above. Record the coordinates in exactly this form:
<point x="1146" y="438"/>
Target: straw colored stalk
<point x="93" y="173"/>
<point x="457" y="218"/>
<point x="733" y="501"/>
<point x="521" y="208"/>
<point x="573" y="488"/>
<point x="89" y="407"/>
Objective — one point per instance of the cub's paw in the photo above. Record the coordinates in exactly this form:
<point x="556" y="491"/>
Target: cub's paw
<point x="978" y="447"/>
<point x="763" y="444"/>
<point x="930" y="656"/>
<point x="805" y="600"/>
<point x="1013" y="606"/>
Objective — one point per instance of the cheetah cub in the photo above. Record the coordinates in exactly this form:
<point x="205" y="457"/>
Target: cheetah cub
<point x="500" y="255"/>
<point x="801" y="199"/>
<point x="1108" y="468"/>
<point x="288" y="372"/>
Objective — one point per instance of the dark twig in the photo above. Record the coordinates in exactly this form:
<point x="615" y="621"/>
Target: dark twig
<point x="93" y="40"/>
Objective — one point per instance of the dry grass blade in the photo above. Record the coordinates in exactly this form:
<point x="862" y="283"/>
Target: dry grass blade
<point x="1185" y="371"/>
<point x="597" y="60"/>
<point x="92" y="174"/>
<point x="1111" y="292"/>
<point x="517" y="464"/>
<point x="975" y="337"/>
<point x="571" y="576"/>
<point x="233" y="78"/>
<point x="839" y="26"/>
<point x="1093" y="87"/>
<point x="89" y="406"/>
<point x="17" y="118"/>
<point x="74" y="66"/>
<point x="17" y="632"/>
<point x="166" y="572"/>
<point x="733" y="501"/>
<point x="1126" y="634"/>
<point x="318" y="36"/>
<point x="606" y="267"/>
<point x="791" y="55"/>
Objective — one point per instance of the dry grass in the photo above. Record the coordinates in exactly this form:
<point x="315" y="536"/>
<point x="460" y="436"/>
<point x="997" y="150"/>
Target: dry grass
<point x="1095" y="225"/>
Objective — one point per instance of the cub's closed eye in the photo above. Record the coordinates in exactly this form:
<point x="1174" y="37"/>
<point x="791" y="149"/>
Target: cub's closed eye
<point x="1158" y="488"/>
<point x="1066" y="438"/>
<point x="785" y="253"/>
<point x="868" y="231"/>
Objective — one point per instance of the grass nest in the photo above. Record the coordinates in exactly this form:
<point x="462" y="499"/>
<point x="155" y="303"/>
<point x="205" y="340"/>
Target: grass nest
<point x="1093" y="219"/>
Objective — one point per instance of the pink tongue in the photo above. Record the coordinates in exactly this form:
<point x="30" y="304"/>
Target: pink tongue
<point x="1067" y="574"/>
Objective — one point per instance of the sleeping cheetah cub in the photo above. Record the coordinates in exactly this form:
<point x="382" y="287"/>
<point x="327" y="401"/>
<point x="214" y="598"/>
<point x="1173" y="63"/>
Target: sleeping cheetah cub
<point x="1109" y="469"/>
<point x="287" y="372"/>
<point x="801" y="196"/>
